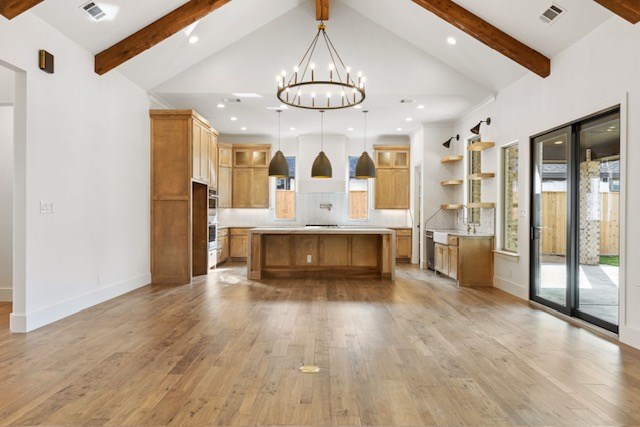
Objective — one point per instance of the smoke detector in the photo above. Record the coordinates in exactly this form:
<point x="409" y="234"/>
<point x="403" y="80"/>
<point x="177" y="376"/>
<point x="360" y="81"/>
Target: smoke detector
<point x="93" y="10"/>
<point x="552" y="14"/>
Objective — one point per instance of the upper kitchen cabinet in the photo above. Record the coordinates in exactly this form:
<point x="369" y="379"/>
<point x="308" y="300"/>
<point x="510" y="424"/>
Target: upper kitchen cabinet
<point x="250" y="183"/>
<point x="225" y="164"/>
<point x="251" y="156"/>
<point x="203" y="142"/>
<point x="392" y="177"/>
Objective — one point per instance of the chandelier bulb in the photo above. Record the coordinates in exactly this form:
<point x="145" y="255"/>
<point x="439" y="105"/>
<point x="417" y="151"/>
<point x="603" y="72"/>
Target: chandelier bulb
<point x="312" y="66"/>
<point x="284" y="73"/>
<point x="313" y="95"/>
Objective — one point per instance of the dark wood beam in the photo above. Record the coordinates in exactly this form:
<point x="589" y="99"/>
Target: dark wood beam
<point x="12" y="8"/>
<point x="322" y="10"/>
<point x="154" y="33"/>
<point x="628" y="9"/>
<point x="488" y="34"/>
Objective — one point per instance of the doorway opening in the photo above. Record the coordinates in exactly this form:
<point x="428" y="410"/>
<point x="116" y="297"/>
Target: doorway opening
<point x="7" y="100"/>
<point x="575" y="233"/>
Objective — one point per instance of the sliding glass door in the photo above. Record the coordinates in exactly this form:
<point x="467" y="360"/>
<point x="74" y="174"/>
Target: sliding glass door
<point x="575" y="231"/>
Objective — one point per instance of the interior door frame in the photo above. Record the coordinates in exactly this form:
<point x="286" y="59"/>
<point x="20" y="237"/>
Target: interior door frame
<point x="418" y="242"/>
<point x="573" y="225"/>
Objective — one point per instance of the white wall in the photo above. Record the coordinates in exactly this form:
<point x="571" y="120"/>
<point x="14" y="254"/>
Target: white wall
<point x="582" y="82"/>
<point x="6" y="202"/>
<point x="87" y="152"/>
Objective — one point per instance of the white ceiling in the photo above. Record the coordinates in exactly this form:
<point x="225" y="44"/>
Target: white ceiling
<point x="401" y="47"/>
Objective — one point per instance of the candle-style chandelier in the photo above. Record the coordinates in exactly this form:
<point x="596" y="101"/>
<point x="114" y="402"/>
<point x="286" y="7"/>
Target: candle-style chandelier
<point x="304" y="90"/>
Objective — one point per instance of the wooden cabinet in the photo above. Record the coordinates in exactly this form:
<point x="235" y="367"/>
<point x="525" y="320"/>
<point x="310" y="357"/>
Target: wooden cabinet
<point x="467" y="259"/>
<point x="180" y="172"/>
<point x="213" y="161"/>
<point x="224" y="175"/>
<point x="250" y="183"/>
<point x="223" y="245"/>
<point x="404" y="245"/>
<point x="238" y="243"/>
<point x="392" y="177"/>
<point x="441" y="259"/>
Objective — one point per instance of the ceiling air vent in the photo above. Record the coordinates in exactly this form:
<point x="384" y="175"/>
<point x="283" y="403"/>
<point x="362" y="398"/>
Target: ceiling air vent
<point x="232" y="100"/>
<point x="407" y="101"/>
<point x="94" y="10"/>
<point x="552" y="14"/>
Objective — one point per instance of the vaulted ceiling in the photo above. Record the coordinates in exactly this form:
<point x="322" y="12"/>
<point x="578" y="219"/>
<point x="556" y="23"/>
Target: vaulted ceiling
<point x="400" y="44"/>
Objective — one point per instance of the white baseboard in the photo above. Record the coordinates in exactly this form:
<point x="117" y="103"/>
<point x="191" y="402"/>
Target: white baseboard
<point x="630" y="336"/>
<point x="511" y="288"/>
<point x="47" y="315"/>
<point x="6" y="294"/>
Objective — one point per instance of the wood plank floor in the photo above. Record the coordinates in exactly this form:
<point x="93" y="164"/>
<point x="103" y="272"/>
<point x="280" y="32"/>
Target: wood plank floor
<point x="226" y="351"/>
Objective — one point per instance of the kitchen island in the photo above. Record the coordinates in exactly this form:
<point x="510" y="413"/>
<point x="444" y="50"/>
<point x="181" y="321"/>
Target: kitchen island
<point x="321" y="252"/>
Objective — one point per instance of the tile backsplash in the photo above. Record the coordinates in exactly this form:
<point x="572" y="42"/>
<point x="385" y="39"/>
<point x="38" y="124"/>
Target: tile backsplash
<point x="317" y="209"/>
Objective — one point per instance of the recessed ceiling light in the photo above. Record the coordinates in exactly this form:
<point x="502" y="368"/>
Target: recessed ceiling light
<point x="243" y="128"/>
<point x="559" y="142"/>
<point x="220" y="105"/>
<point x="421" y="107"/>
<point x="399" y="129"/>
<point x="357" y="107"/>
<point x="350" y="129"/>
<point x="409" y="119"/>
<point x="193" y="39"/>
<point x="247" y="95"/>
<point x="451" y="41"/>
<point x="233" y="119"/>
<point x="292" y="128"/>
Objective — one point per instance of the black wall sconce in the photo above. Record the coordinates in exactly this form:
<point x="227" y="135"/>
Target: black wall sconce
<point x="476" y="130"/>
<point x="45" y="61"/>
<point x="447" y="143"/>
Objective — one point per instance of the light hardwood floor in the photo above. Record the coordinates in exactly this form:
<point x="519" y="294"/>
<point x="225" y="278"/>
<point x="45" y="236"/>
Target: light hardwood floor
<point x="226" y="351"/>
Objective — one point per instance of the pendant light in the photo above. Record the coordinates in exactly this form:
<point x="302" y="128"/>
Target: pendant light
<point x="365" y="168"/>
<point x="321" y="166"/>
<point x="279" y="167"/>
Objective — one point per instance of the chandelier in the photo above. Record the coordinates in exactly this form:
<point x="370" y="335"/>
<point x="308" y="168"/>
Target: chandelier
<point x="304" y="90"/>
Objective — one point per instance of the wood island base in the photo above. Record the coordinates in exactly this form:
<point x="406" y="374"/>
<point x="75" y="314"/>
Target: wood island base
<point x="321" y="253"/>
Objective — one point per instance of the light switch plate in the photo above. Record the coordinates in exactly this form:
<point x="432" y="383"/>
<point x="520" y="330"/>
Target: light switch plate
<point x="308" y="259"/>
<point x="46" y="207"/>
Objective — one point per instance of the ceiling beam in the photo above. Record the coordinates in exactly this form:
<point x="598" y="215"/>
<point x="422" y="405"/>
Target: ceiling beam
<point x="489" y="35"/>
<point x="628" y="9"/>
<point x="322" y="10"/>
<point x="154" y="33"/>
<point x="12" y="8"/>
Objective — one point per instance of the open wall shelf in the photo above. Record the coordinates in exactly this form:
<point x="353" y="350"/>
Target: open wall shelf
<point x="451" y="207"/>
<point x="484" y="175"/>
<point x="481" y="205"/>
<point x="480" y="146"/>
<point x="451" y="182"/>
<point x="451" y="159"/>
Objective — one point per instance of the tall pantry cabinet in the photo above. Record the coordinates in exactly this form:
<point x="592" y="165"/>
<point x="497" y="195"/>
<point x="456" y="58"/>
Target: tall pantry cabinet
<point x="183" y="167"/>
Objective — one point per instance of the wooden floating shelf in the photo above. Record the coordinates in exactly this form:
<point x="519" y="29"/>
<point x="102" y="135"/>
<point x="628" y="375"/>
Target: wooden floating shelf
<point x="481" y="205"/>
<point x="484" y="175"/>
<point x="451" y="207"/>
<point x="481" y="146"/>
<point x="452" y="182"/>
<point x="451" y="159"/>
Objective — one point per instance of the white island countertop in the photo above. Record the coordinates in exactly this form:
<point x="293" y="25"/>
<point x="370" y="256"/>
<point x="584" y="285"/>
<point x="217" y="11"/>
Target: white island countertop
<point x="320" y="230"/>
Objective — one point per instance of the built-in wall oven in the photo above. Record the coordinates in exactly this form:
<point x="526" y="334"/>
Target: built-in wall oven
<point x="212" y="236"/>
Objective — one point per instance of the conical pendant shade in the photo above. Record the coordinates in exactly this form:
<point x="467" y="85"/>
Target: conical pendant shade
<point x="279" y="167"/>
<point x="321" y="167"/>
<point x="365" y="168"/>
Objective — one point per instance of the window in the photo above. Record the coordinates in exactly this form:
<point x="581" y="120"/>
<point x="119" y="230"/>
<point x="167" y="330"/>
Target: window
<point x="358" y="193"/>
<point x="510" y="198"/>
<point x="475" y="185"/>
<point x="286" y="193"/>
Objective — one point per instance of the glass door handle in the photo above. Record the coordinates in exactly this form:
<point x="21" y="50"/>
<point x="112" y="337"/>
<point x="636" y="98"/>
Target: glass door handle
<point x="536" y="232"/>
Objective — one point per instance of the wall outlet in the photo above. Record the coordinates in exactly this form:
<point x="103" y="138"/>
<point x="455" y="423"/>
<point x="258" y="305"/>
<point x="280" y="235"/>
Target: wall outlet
<point x="308" y="259"/>
<point x="46" y="207"/>
<point x="523" y="213"/>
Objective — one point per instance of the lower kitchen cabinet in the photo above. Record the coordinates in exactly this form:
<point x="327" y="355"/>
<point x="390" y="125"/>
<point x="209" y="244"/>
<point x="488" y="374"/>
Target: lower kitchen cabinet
<point x="453" y="261"/>
<point x="223" y="245"/>
<point x="238" y="244"/>
<point x="404" y="244"/>
<point x="441" y="259"/>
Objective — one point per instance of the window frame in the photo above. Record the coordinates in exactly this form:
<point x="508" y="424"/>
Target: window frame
<point x="348" y="185"/>
<point x="292" y="182"/>
<point x="504" y="158"/>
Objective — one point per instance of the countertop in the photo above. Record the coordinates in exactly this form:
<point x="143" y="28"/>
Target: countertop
<point x="462" y="233"/>
<point x="320" y="230"/>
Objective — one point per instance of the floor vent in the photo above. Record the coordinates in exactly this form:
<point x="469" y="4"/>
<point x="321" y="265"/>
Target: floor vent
<point x="93" y="10"/>
<point x="552" y="14"/>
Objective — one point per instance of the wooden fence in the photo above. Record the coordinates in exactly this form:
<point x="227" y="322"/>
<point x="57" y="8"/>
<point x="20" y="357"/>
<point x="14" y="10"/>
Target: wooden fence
<point x="554" y="232"/>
